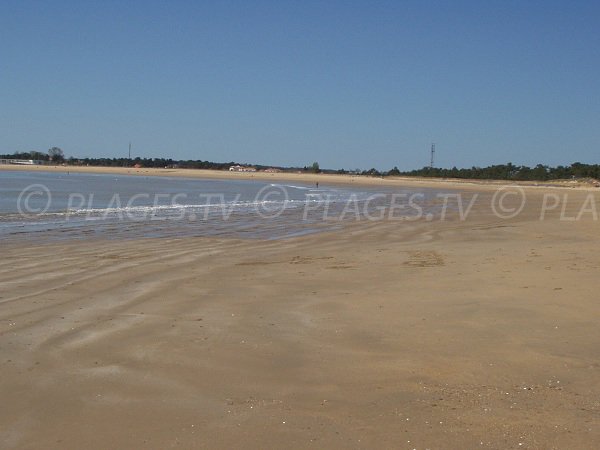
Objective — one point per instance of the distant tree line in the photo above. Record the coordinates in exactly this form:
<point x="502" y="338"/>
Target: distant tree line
<point x="507" y="171"/>
<point x="511" y="172"/>
<point x="54" y="154"/>
<point x="38" y="156"/>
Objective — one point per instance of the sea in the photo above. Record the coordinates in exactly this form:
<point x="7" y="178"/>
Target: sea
<point x="49" y="206"/>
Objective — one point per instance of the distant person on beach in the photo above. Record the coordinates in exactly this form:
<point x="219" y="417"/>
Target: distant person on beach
<point x="317" y="185"/>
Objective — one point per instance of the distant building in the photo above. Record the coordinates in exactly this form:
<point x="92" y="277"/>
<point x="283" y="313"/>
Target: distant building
<point x="21" y="162"/>
<point x="238" y="168"/>
<point x="272" y="170"/>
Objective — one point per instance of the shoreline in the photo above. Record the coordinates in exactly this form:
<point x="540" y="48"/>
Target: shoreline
<point x="445" y="200"/>
<point x="334" y="179"/>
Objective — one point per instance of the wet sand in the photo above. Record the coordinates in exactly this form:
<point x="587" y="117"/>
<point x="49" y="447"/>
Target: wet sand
<point x="480" y="333"/>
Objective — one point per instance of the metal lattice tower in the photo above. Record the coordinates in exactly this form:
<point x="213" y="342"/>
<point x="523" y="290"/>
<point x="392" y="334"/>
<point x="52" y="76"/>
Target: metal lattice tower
<point x="432" y="155"/>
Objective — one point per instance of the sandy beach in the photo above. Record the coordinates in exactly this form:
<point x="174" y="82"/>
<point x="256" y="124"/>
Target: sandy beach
<point x="322" y="178"/>
<point x="476" y="333"/>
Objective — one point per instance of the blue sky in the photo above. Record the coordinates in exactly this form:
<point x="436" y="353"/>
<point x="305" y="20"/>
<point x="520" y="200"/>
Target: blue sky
<point x="348" y="84"/>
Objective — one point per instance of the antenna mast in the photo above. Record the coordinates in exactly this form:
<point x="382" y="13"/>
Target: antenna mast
<point x="129" y="150"/>
<point x="432" y="155"/>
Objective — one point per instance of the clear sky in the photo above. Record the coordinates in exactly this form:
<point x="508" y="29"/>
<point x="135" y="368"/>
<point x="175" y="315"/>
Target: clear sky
<point x="348" y="84"/>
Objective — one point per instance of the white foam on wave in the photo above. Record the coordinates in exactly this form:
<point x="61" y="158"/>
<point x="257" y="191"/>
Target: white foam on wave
<point x="291" y="186"/>
<point x="110" y="211"/>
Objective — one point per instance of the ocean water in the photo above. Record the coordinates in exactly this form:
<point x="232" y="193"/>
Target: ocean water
<point x="49" y="206"/>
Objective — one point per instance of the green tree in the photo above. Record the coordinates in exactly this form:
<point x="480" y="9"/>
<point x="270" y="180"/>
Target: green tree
<point x="394" y="172"/>
<point x="56" y="154"/>
<point x="373" y="172"/>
